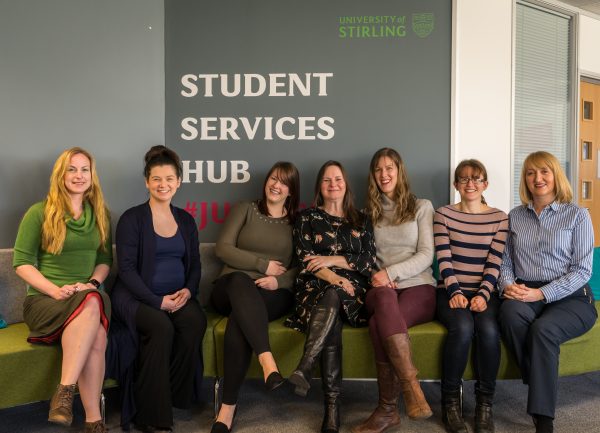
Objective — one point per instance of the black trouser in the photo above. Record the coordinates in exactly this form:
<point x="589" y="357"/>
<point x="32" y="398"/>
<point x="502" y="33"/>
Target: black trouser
<point x="534" y="331"/>
<point x="463" y="327"/>
<point x="170" y="349"/>
<point x="250" y="309"/>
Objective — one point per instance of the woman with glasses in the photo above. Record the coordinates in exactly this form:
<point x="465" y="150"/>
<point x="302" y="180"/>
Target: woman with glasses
<point x="469" y="241"/>
<point x="544" y="280"/>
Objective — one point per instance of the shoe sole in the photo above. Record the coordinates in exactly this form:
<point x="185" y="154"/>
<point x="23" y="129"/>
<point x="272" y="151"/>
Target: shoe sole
<point x="301" y="387"/>
<point x="63" y="422"/>
<point x="418" y="417"/>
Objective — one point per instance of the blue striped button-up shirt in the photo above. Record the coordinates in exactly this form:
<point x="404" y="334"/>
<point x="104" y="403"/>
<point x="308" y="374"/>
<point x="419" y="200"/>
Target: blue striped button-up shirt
<point x="557" y="246"/>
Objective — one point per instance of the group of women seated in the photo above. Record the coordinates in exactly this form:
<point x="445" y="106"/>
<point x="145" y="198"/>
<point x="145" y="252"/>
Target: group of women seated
<point x="523" y="276"/>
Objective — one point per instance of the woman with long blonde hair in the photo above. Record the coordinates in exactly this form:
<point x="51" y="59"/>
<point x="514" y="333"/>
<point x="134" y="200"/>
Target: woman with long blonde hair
<point x="63" y="252"/>
<point x="402" y="290"/>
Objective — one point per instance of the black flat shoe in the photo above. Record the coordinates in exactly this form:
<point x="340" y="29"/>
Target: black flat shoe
<point x="274" y="381"/>
<point x="219" y="427"/>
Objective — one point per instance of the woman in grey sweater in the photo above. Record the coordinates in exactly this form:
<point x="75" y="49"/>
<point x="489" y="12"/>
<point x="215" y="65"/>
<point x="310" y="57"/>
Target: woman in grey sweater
<point x="403" y="291"/>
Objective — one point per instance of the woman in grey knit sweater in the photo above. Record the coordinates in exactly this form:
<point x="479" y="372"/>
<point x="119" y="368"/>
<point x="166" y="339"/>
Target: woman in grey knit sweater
<point x="403" y="291"/>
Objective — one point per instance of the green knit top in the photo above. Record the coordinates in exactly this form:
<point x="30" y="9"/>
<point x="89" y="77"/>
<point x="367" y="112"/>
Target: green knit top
<point x="249" y="239"/>
<point x="81" y="251"/>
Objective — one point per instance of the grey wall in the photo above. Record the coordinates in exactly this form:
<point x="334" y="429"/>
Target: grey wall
<point x="385" y="91"/>
<point x="78" y="73"/>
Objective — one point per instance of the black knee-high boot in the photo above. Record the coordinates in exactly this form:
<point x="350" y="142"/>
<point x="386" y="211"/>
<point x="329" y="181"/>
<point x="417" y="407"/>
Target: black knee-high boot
<point x="322" y="320"/>
<point x="331" y="372"/>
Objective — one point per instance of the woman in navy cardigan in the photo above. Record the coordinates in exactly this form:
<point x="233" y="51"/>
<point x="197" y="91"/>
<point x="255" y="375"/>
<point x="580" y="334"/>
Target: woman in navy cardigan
<point x="155" y="299"/>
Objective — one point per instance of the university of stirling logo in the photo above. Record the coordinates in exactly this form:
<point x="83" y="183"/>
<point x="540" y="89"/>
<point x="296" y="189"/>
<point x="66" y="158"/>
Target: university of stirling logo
<point x="422" y="24"/>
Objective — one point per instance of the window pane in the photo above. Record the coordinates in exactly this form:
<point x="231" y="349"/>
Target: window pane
<point x="542" y="87"/>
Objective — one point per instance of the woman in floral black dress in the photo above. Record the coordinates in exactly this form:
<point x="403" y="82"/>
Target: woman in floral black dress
<point x="334" y="244"/>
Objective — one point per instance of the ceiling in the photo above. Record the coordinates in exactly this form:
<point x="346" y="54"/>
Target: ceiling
<point x="592" y="6"/>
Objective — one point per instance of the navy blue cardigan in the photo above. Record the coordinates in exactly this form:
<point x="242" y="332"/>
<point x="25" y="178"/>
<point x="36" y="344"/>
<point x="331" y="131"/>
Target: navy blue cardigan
<point x="136" y="249"/>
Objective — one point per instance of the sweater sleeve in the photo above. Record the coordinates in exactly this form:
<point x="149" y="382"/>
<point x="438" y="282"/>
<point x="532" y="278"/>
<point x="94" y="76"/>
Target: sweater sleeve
<point x="29" y="237"/>
<point x="423" y="257"/>
<point x="128" y="251"/>
<point x="441" y="238"/>
<point x="494" y="259"/>
<point x="226" y="248"/>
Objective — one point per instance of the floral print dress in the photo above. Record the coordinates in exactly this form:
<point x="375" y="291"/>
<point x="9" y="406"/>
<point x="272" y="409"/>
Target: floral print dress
<point x="318" y="233"/>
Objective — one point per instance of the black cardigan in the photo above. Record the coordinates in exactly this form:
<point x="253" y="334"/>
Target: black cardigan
<point x="136" y="249"/>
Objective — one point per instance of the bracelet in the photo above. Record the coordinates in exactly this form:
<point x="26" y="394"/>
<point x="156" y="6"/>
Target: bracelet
<point x="95" y="282"/>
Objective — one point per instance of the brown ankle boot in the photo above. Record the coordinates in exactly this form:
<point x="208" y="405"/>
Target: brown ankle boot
<point x="61" y="405"/>
<point x="95" y="427"/>
<point x="385" y="414"/>
<point x="397" y="347"/>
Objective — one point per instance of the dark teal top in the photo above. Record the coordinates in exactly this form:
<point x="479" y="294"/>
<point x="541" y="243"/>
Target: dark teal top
<point x="169" y="272"/>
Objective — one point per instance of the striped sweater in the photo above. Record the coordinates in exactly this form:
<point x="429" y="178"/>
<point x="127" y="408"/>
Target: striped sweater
<point x="469" y="249"/>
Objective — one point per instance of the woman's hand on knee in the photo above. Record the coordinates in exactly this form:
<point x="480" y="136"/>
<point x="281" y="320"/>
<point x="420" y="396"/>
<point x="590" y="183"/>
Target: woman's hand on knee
<point x="267" y="283"/>
<point x="458" y="301"/>
<point x="381" y="279"/>
<point x="478" y="304"/>
<point x="66" y="291"/>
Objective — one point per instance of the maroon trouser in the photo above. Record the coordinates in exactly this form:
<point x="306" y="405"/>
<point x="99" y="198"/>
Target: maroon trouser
<point x="393" y="311"/>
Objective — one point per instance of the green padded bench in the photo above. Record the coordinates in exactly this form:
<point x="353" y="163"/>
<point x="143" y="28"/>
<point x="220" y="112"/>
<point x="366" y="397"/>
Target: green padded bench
<point x="30" y="372"/>
<point x="580" y="355"/>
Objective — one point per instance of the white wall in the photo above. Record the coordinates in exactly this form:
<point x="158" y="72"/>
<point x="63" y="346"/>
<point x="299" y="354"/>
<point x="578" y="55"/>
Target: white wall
<point x="589" y="45"/>
<point x="481" y="91"/>
<point x="482" y="86"/>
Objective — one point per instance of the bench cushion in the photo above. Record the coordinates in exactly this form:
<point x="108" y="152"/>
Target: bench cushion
<point x="579" y="355"/>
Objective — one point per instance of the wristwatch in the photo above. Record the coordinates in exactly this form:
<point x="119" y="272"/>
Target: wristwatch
<point x="95" y="282"/>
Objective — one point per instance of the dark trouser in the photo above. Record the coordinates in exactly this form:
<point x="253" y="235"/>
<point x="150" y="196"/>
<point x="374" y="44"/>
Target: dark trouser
<point x="534" y="332"/>
<point x="393" y="311"/>
<point x="250" y="309"/>
<point x="169" y="351"/>
<point x="464" y="326"/>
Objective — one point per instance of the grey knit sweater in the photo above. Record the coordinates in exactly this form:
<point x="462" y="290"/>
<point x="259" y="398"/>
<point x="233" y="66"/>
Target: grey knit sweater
<point x="406" y="251"/>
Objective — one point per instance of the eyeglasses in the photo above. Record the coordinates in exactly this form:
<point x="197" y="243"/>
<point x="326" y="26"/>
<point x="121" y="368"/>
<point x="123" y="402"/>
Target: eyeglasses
<point x="466" y="180"/>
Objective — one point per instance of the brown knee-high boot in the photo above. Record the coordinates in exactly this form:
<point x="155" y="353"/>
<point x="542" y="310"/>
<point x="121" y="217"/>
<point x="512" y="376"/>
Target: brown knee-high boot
<point x="385" y="414"/>
<point x="397" y="348"/>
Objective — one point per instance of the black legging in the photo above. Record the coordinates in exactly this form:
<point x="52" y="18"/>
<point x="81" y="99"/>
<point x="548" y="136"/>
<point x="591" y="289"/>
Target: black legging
<point x="250" y="309"/>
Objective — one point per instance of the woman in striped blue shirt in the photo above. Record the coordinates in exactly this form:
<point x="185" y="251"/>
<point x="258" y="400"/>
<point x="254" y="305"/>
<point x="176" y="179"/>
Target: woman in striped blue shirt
<point x="546" y="266"/>
<point x="469" y="241"/>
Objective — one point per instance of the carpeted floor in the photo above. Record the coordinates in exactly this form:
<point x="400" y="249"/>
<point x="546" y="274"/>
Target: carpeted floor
<point x="281" y="411"/>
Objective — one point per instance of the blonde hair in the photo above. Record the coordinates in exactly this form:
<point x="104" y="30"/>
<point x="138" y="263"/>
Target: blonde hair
<point x="58" y="210"/>
<point x="562" y="187"/>
<point x="406" y="201"/>
<point x="475" y="165"/>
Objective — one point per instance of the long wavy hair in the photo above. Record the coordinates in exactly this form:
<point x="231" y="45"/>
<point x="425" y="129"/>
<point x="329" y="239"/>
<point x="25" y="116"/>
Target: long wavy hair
<point x="350" y="213"/>
<point x="289" y="176"/>
<point x="405" y="200"/>
<point x="562" y="187"/>
<point x="58" y="210"/>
